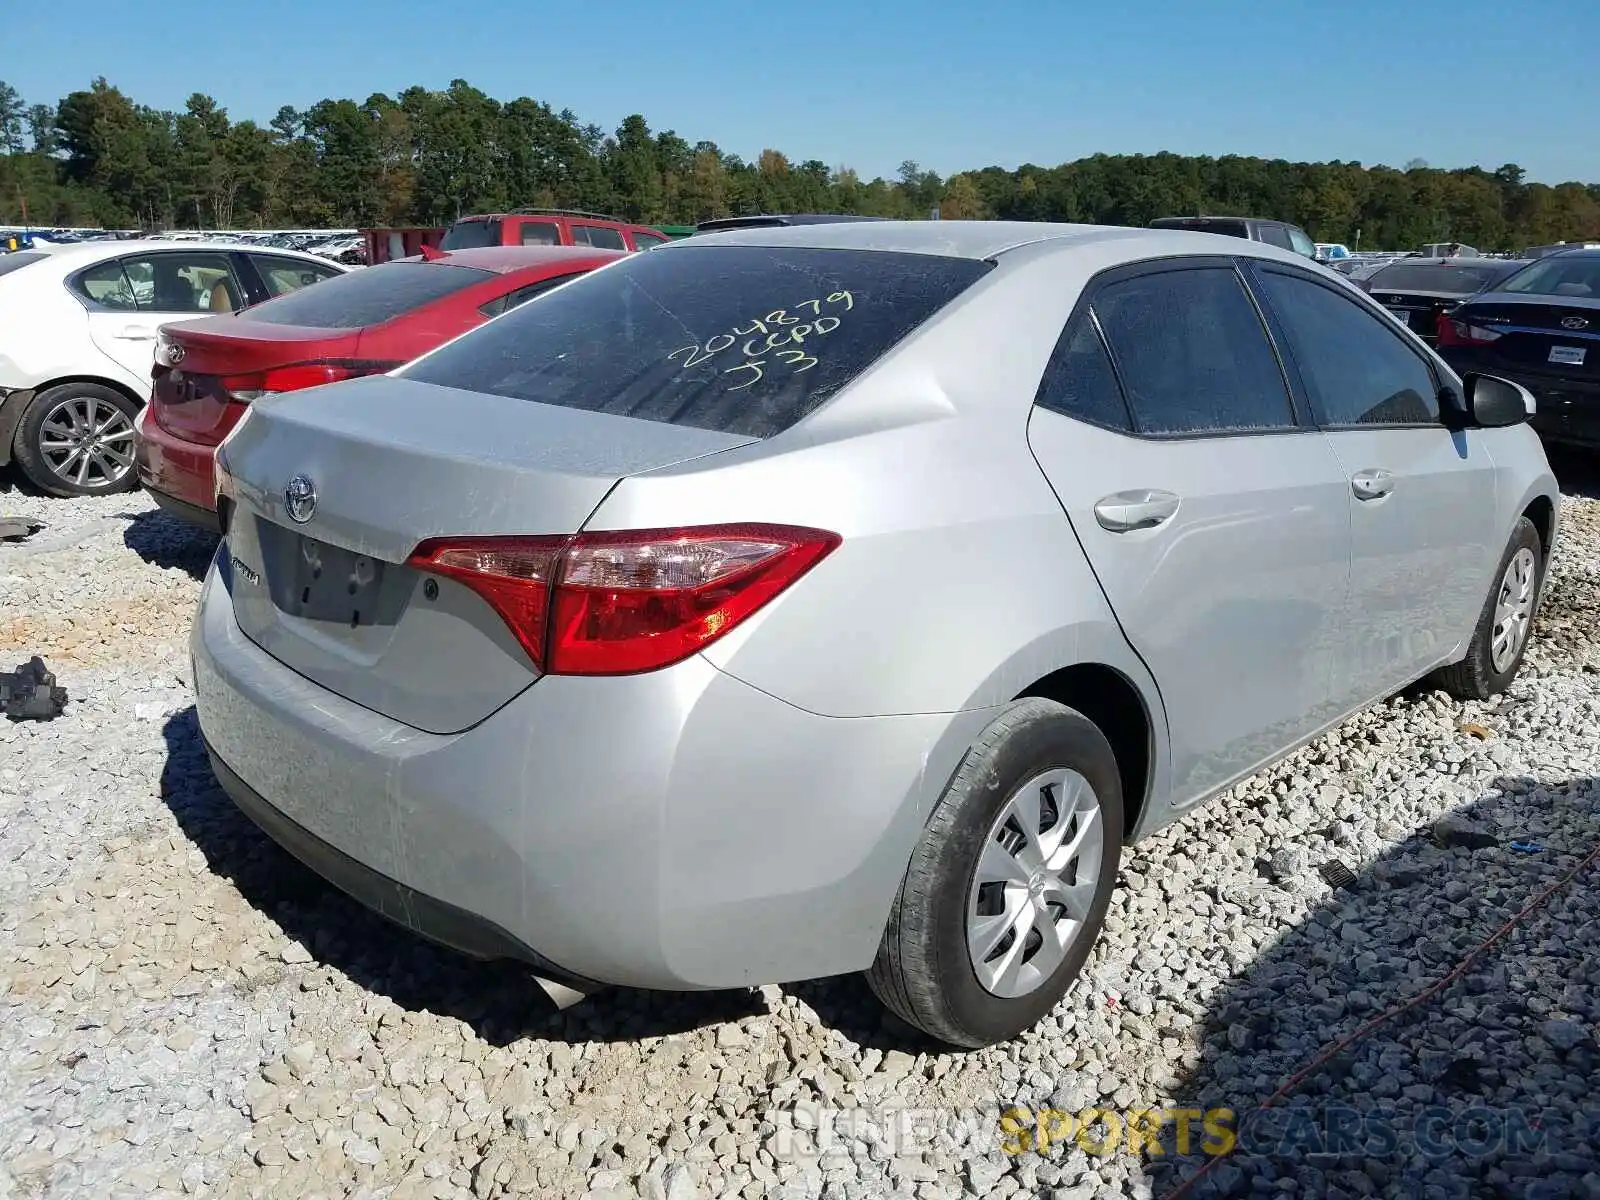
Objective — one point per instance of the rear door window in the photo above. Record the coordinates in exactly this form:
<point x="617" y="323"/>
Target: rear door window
<point x="369" y="297"/>
<point x="741" y="339"/>
<point x="603" y="237"/>
<point x="643" y="241"/>
<point x="107" y="286"/>
<point x="540" y="233"/>
<point x="1079" y="382"/>
<point x="1192" y="353"/>
<point x="284" y="275"/>
<point x="1275" y="235"/>
<point x="469" y="235"/>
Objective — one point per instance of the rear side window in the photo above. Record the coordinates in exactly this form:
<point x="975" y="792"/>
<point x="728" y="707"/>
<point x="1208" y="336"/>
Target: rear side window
<point x="643" y="241"/>
<point x="469" y="235"/>
<point x="368" y="297"/>
<point x="1357" y="371"/>
<point x="601" y="236"/>
<point x="1079" y="381"/>
<point x="1276" y="235"/>
<point x="1192" y="353"/>
<point x="1300" y="243"/>
<point x="540" y="233"/>
<point x="523" y="294"/>
<point x="741" y="339"/>
<point x="107" y="285"/>
<point x="284" y="275"/>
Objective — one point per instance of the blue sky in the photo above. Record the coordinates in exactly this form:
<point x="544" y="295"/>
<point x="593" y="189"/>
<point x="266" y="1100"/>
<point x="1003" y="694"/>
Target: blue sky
<point x="869" y="84"/>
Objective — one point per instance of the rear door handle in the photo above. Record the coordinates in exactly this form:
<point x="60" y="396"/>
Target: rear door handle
<point x="1372" y="484"/>
<point x="136" y="333"/>
<point x="1145" y="508"/>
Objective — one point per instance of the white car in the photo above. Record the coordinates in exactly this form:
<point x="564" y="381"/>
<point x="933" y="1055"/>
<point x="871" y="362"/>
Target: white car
<point x="77" y="343"/>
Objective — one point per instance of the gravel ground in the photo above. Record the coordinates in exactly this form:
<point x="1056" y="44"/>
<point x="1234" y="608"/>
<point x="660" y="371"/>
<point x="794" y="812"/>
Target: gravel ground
<point x="184" y="1010"/>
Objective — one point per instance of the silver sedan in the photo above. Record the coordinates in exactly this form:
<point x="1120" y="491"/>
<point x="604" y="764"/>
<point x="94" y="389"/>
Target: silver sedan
<point x="795" y="601"/>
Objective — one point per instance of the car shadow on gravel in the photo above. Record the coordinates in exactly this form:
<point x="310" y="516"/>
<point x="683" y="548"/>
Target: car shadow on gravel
<point x="497" y="999"/>
<point x="1480" y="1089"/>
<point x="162" y="540"/>
<point x="1577" y="471"/>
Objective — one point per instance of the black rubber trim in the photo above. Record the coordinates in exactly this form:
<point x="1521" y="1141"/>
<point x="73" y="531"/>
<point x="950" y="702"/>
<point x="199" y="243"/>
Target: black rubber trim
<point x="435" y="920"/>
<point x="204" y="518"/>
<point x="12" y="406"/>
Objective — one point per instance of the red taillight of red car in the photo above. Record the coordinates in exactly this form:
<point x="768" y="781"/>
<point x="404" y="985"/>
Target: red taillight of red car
<point x="622" y="603"/>
<point x="1454" y="332"/>
<point x="294" y="377"/>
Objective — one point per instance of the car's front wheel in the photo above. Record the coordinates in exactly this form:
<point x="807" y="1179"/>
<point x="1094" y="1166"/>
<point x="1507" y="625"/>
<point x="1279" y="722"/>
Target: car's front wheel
<point x="77" y="439"/>
<point x="1500" y="639"/>
<point x="1008" y="886"/>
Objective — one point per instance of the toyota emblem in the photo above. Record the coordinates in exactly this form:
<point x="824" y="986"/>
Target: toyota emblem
<point x="1574" y="323"/>
<point x="175" y="353"/>
<point x="300" y="498"/>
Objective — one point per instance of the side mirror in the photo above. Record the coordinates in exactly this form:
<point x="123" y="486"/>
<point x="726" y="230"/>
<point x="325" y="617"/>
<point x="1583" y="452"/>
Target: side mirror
<point x="1495" y="402"/>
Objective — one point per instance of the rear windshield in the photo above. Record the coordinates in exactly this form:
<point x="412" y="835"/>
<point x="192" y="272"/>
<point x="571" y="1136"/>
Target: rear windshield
<point x="740" y="339"/>
<point x="1457" y="279"/>
<point x="18" y="259"/>
<point x="367" y="297"/>
<point x="1230" y="228"/>
<point x="469" y="235"/>
<point x="1562" y="275"/>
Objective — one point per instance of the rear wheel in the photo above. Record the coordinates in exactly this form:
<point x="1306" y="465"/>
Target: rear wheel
<point x="1008" y="887"/>
<point x="1500" y="638"/>
<point x="77" y="439"/>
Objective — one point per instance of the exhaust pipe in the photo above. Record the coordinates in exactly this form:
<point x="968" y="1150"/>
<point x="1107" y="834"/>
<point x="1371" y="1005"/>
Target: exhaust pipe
<point x="562" y="996"/>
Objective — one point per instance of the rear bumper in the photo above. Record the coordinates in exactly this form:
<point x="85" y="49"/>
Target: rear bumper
<point x="433" y="919"/>
<point x="181" y="475"/>
<point x="673" y="830"/>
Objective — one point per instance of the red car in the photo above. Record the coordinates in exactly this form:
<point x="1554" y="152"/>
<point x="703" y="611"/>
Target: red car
<point x="363" y="323"/>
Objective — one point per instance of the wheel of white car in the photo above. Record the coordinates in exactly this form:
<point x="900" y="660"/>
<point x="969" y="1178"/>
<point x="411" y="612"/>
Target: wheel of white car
<point x="1500" y="639"/>
<point x="1007" y="888"/>
<point x="77" y="439"/>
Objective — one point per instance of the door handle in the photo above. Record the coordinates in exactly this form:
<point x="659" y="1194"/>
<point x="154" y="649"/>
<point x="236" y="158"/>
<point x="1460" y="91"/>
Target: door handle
<point x="1371" y="484"/>
<point x="1145" y="508"/>
<point x="136" y="333"/>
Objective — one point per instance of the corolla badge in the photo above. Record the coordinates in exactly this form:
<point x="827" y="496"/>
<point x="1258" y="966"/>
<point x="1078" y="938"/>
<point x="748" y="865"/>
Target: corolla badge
<point x="300" y="498"/>
<point x="1574" y="323"/>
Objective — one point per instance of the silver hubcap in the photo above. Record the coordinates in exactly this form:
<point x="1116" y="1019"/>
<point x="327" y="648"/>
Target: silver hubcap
<point x="87" y="441"/>
<point x="1513" y="609"/>
<point x="1035" y="882"/>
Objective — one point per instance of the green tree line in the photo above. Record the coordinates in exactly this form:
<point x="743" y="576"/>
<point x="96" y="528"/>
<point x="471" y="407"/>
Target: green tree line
<point x="424" y="157"/>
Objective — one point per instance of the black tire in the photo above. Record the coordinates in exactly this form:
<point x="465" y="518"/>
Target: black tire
<point x="29" y="450"/>
<point x="1475" y="676"/>
<point x="923" y="972"/>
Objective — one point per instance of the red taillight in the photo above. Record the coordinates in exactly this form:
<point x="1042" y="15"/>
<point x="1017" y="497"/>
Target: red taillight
<point x="296" y="376"/>
<point x="1454" y="332"/>
<point x="622" y="603"/>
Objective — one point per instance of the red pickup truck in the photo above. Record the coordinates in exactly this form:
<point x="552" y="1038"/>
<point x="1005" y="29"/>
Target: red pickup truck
<point x="520" y="227"/>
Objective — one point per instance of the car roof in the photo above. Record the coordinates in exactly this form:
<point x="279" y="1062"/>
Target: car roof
<point x="977" y="239"/>
<point x="85" y="253"/>
<point x="516" y="258"/>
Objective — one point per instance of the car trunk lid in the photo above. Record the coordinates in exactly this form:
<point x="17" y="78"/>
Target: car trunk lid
<point x="207" y="372"/>
<point x="1544" y="335"/>
<point x="392" y="463"/>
